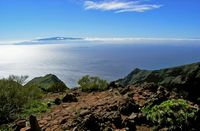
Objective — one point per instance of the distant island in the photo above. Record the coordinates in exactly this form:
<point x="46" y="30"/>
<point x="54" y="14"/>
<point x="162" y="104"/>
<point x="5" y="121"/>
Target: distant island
<point x="51" y="40"/>
<point x="58" y="38"/>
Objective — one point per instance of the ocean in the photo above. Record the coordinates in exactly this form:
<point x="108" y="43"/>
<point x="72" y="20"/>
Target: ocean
<point x="109" y="61"/>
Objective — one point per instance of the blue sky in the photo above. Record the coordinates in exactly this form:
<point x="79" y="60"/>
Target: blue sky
<point x="29" y="19"/>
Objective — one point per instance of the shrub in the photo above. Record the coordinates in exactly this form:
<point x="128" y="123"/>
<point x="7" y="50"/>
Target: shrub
<point x="5" y="127"/>
<point x="172" y="114"/>
<point x="13" y="98"/>
<point x="19" y="79"/>
<point x="88" y="84"/>
<point x="34" y="107"/>
<point x="57" y="87"/>
<point x="32" y="92"/>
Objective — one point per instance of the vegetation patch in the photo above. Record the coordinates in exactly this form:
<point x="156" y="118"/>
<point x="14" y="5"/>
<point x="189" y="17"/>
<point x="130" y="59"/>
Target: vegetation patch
<point x="57" y="87"/>
<point x="34" y="107"/>
<point x="175" y="114"/>
<point x="14" y="97"/>
<point x="92" y="83"/>
<point x="48" y="83"/>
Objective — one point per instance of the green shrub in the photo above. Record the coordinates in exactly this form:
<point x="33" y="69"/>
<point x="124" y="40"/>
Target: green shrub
<point x="5" y="127"/>
<point x="19" y="79"/>
<point x="32" y="92"/>
<point x="88" y="84"/>
<point x="34" y="107"/>
<point x="13" y="98"/>
<point x="57" y="87"/>
<point x="172" y="114"/>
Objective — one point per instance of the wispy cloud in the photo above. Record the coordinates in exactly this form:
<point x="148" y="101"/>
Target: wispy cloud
<point x="139" y="39"/>
<point x="143" y="40"/>
<point x="119" y="6"/>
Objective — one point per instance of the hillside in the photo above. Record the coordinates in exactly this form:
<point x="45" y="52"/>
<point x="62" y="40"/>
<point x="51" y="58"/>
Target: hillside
<point x="160" y="100"/>
<point x="182" y="78"/>
<point x="118" y="109"/>
<point x="47" y="83"/>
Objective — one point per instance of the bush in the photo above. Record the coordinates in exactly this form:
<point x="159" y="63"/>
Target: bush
<point x="32" y="92"/>
<point x="5" y="127"/>
<point x="34" y="107"/>
<point x="19" y="79"/>
<point x="57" y="87"/>
<point x="172" y="114"/>
<point x="88" y="84"/>
<point x="13" y="98"/>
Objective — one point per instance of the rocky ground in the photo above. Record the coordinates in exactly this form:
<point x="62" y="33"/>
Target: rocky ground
<point x="119" y="107"/>
<point x="115" y="109"/>
<point x="90" y="111"/>
<point x="166" y="99"/>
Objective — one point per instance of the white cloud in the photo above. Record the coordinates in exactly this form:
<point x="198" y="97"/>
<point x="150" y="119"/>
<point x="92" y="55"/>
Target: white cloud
<point x="140" y="40"/>
<point x="119" y="6"/>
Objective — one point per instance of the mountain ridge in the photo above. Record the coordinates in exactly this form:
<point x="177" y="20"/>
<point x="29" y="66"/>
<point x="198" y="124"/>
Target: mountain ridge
<point x="48" y="83"/>
<point x="185" y="78"/>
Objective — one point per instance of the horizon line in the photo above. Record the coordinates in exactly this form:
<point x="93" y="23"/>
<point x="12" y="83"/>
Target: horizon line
<point x="106" y="39"/>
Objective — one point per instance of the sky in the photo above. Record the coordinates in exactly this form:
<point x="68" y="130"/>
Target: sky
<point x="30" y="19"/>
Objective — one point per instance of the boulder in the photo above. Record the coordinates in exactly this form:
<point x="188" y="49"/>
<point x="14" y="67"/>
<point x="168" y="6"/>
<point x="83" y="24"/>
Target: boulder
<point x="150" y="86"/>
<point x="57" y="101"/>
<point x="19" y="124"/>
<point x="84" y="112"/>
<point x="113" y="84"/>
<point x="107" y="129"/>
<point x="90" y="122"/>
<point x="69" y="97"/>
<point x="113" y="107"/>
<point x="113" y="117"/>
<point x="123" y="91"/>
<point x="129" y="124"/>
<point x="161" y="95"/>
<point x="138" y="118"/>
<point x="34" y="124"/>
<point x="116" y="119"/>
<point x="128" y="106"/>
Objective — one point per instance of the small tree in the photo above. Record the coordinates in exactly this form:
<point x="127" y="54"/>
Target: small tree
<point x="88" y="83"/>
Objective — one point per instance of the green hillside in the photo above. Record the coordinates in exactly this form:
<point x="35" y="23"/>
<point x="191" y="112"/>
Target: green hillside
<point x="48" y="83"/>
<point x="181" y="78"/>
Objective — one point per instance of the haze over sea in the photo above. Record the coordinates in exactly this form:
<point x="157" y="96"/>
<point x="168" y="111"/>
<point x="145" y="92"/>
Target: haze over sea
<point x="110" y="61"/>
